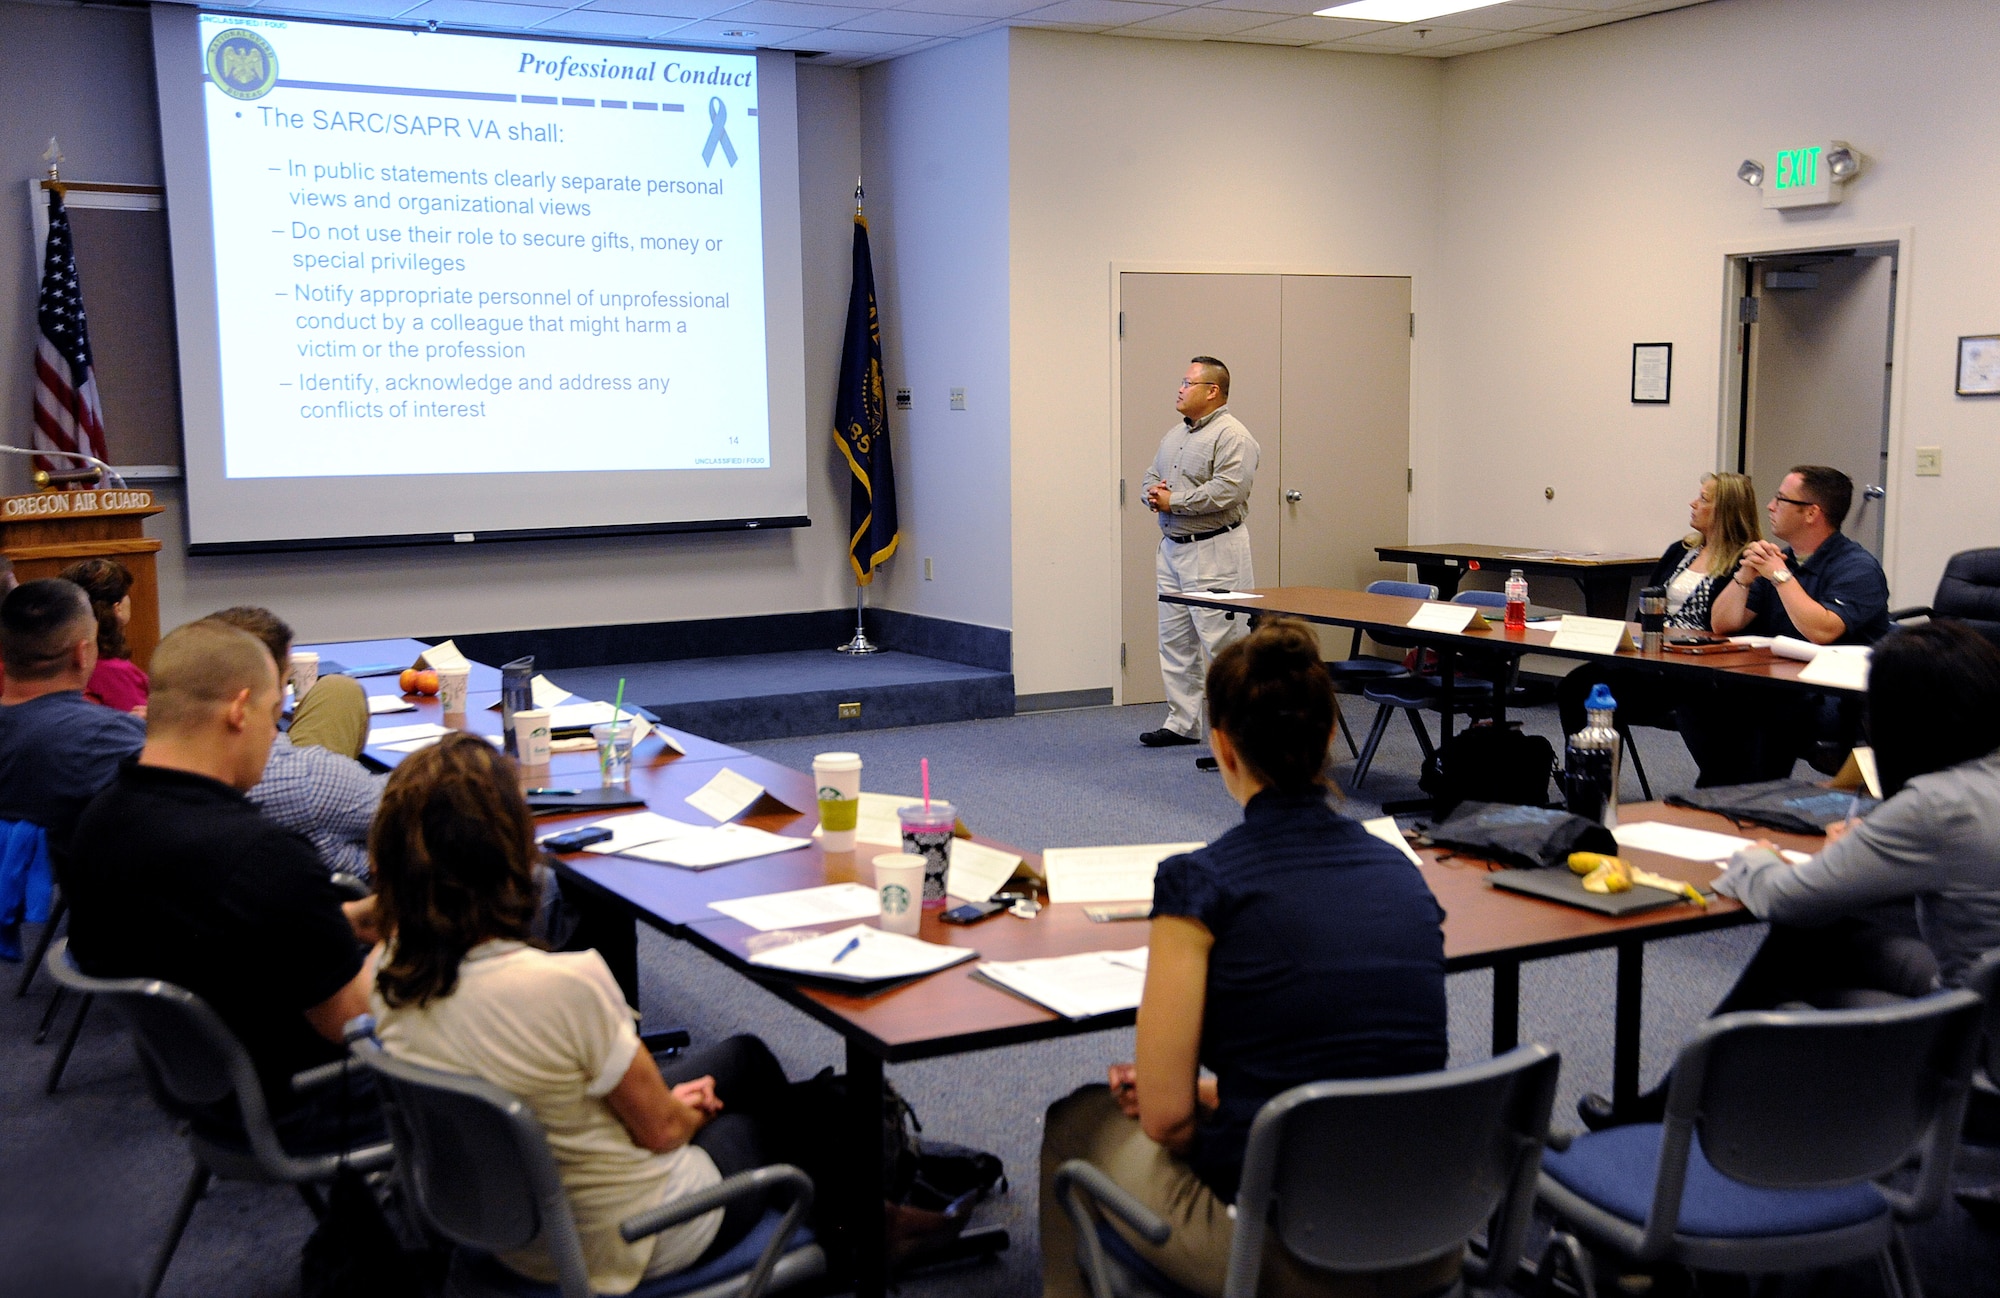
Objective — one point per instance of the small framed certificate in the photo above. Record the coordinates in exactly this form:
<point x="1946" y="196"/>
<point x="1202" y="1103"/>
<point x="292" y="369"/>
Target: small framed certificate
<point x="1652" y="373"/>
<point x="1979" y="365"/>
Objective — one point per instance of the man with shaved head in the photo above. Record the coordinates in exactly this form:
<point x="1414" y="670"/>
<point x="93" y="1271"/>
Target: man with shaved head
<point x="57" y="748"/>
<point x="176" y="875"/>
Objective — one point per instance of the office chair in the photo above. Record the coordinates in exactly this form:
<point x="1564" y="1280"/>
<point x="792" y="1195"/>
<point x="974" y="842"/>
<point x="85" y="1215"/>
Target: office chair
<point x="1777" y="1126"/>
<point x="1984" y="980"/>
<point x="478" y="1171"/>
<point x="1356" y="670"/>
<point x="1356" y="1176"/>
<point x="1969" y="591"/>
<point x="195" y="1067"/>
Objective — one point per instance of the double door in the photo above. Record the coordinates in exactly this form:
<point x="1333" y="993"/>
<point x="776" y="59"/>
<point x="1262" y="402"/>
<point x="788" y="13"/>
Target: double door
<point x="1320" y="375"/>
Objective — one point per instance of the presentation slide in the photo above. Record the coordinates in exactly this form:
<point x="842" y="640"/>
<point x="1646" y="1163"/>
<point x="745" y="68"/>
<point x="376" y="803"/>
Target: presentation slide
<point x="440" y="268"/>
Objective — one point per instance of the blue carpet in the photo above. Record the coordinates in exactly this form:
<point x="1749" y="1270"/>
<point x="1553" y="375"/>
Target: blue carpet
<point x="87" y="1178"/>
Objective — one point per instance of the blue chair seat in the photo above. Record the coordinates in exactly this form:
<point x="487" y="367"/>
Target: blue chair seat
<point x="737" y="1260"/>
<point x="1616" y="1170"/>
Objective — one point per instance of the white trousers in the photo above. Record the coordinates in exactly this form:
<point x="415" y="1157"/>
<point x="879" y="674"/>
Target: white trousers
<point x="1191" y="637"/>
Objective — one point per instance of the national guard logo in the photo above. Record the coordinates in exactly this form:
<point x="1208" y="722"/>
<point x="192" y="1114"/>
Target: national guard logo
<point x="242" y="64"/>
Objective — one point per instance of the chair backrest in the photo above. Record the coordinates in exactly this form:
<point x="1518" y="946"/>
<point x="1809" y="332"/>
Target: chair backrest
<point x="1481" y="598"/>
<point x="1970" y="591"/>
<point x="474" y="1161"/>
<point x="1824" y="1097"/>
<point x="1406" y="589"/>
<point x="1983" y="980"/>
<point x="192" y="1062"/>
<point x="1373" y="1174"/>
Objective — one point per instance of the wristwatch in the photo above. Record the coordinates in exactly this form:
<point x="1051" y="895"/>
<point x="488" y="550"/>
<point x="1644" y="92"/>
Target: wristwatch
<point x="1781" y="576"/>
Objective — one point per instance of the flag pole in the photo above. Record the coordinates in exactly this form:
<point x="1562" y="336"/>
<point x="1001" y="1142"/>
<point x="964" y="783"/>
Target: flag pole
<point x="860" y="644"/>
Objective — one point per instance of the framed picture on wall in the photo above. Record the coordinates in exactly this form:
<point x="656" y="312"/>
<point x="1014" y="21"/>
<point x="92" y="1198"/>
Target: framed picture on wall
<point x="1652" y="373"/>
<point x="1979" y="365"/>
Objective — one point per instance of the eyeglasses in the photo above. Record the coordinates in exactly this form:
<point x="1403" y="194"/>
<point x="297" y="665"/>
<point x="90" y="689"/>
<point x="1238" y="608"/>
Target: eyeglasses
<point x="1198" y="383"/>
<point x="1783" y="499"/>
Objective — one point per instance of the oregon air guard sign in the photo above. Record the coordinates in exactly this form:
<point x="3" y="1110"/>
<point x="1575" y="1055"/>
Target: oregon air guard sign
<point x="242" y="64"/>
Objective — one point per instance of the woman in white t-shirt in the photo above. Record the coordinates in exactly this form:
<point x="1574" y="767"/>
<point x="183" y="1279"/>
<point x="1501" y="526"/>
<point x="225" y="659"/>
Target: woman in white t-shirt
<point x="462" y="987"/>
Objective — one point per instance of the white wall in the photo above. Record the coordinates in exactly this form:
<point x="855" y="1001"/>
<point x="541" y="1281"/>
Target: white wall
<point x="1590" y="194"/>
<point x="1176" y="155"/>
<point x="86" y="75"/>
<point x="935" y="144"/>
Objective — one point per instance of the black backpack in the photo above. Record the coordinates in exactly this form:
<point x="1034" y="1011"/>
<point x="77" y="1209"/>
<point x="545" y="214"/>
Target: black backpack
<point x="1489" y="763"/>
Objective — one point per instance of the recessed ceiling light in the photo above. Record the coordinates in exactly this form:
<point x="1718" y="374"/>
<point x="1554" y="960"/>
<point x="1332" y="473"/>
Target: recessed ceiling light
<point x="1401" y="11"/>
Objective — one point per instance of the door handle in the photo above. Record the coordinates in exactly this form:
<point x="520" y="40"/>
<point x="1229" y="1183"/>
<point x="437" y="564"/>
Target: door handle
<point x="1294" y="497"/>
<point x="1872" y="492"/>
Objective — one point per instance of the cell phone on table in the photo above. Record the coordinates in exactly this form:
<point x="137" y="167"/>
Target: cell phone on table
<point x="576" y="839"/>
<point x="972" y="912"/>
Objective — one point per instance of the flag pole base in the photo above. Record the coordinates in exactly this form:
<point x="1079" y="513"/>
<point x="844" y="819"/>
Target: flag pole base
<point x="860" y="644"/>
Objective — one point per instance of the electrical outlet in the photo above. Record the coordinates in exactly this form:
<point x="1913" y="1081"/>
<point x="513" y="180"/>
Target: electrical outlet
<point x="927" y="568"/>
<point x="958" y="398"/>
<point x="1930" y="461"/>
<point x="849" y="711"/>
<point x="902" y="398"/>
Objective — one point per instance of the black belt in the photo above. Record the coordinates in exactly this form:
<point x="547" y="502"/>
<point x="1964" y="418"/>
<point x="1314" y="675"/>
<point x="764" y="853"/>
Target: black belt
<point x="1203" y="536"/>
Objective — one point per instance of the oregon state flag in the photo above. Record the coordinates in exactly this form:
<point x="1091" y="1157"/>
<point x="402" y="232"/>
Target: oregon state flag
<point x="861" y="423"/>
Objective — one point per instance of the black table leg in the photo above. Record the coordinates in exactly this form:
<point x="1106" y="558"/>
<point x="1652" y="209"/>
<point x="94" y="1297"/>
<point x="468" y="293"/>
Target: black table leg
<point x="1625" y="1032"/>
<point x="1448" y="671"/>
<point x="1506" y="1006"/>
<point x="1604" y="594"/>
<point x="865" y="1217"/>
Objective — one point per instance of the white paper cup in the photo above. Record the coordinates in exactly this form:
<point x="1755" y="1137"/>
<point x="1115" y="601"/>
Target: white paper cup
<point x="304" y="673"/>
<point x="531" y="736"/>
<point x="452" y="683"/>
<point x="899" y="886"/>
<point x="838" y="777"/>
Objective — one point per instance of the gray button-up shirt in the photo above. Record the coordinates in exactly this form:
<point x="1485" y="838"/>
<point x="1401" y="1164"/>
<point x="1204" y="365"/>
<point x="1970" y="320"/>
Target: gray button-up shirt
<point x="1209" y="466"/>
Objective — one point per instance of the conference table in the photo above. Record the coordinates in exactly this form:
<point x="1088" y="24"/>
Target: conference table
<point x="1605" y="579"/>
<point x="953" y="1012"/>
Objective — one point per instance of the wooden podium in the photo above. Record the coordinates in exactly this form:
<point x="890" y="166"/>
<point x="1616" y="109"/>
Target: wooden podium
<point x="47" y="531"/>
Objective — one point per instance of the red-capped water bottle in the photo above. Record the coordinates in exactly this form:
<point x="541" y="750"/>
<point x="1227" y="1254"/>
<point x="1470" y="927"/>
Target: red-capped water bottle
<point x="1517" y="601"/>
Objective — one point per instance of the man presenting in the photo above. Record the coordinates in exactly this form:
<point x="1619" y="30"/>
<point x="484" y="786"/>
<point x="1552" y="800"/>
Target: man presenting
<point x="1822" y="586"/>
<point x="1199" y="486"/>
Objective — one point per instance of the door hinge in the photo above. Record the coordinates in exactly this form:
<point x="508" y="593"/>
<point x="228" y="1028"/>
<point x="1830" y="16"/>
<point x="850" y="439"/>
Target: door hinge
<point x="1413" y="324"/>
<point x="1121" y="324"/>
<point x="1121" y="493"/>
<point x="1121" y="657"/>
<point x="1746" y="310"/>
<point x="1409" y="481"/>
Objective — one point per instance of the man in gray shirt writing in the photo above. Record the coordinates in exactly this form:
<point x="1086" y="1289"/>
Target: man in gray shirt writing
<point x="1199" y="486"/>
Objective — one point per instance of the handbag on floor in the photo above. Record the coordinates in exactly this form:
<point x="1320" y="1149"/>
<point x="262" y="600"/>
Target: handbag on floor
<point x="1489" y="763"/>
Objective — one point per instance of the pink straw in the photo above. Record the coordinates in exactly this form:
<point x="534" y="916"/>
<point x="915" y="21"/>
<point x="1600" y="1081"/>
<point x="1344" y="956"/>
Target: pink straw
<point x="927" y="785"/>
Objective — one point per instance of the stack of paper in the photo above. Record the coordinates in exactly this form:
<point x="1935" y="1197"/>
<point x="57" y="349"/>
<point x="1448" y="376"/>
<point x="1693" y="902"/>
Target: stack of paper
<point x="1074" y="986"/>
<point x="381" y="703"/>
<point x="863" y="955"/>
<point x="977" y="871"/>
<point x="649" y="837"/>
<point x="1386" y="829"/>
<point x="1685" y="843"/>
<point x="875" y="820"/>
<point x="823" y="905"/>
<point x="1106" y="873"/>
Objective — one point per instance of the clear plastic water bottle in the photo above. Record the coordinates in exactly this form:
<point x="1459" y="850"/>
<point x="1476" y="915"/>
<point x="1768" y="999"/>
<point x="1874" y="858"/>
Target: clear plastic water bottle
<point x="1590" y="762"/>
<point x="1517" y="601"/>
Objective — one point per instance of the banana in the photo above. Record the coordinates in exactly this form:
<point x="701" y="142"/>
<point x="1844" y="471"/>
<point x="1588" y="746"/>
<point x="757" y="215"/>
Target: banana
<point x="1612" y="876"/>
<point x="1648" y="879"/>
<point x="1585" y="862"/>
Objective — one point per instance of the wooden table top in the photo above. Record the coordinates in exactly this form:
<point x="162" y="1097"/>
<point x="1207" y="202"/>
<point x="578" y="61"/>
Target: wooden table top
<point x="951" y="1011"/>
<point x="1504" y="556"/>
<point x="1357" y="608"/>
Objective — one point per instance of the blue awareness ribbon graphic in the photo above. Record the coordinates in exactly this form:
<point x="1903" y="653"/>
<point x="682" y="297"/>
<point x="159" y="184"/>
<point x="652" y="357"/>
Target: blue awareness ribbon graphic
<point x="718" y="113"/>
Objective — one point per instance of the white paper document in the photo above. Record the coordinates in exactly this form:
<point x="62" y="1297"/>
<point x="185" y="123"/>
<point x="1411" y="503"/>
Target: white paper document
<point x="1443" y="617"/>
<point x="1225" y="594"/>
<point x="1841" y="667"/>
<point x="442" y="656"/>
<point x="718" y="846"/>
<point x="977" y="871"/>
<point x="638" y="829"/>
<point x="388" y="736"/>
<point x="408" y="746"/>
<point x="1597" y="635"/>
<point x="875" y="821"/>
<point x="381" y="703"/>
<point x="573" y="716"/>
<point x="726" y="796"/>
<point x="542" y="693"/>
<point x="823" y="905"/>
<point x="1678" y="840"/>
<point x="1786" y="646"/>
<point x="1106" y="873"/>
<point x="1384" y="828"/>
<point x="1075" y="986"/>
<point x="1752" y="641"/>
<point x="864" y="955"/>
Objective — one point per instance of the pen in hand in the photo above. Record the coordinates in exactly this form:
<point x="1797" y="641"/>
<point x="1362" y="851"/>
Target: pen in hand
<point x="845" y="951"/>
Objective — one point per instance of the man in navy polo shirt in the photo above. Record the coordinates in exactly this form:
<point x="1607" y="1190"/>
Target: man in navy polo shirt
<point x="1820" y="585"/>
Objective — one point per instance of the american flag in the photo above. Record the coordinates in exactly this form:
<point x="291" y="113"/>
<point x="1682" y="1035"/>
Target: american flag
<point x="67" y="416"/>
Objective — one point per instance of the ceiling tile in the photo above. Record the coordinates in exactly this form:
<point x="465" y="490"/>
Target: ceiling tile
<point x="594" y="23"/>
<point x="974" y="8"/>
<point x="716" y="31"/>
<point x="1494" y="41"/>
<point x="353" y="8"/>
<point x="1099" y="13"/>
<point x="683" y="10"/>
<point x="911" y="23"/>
<point x="1406" y="38"/>
<point x="475" y="13"/>
<point x="785" y="13"/>
<point x="841" y="41"/>
<point x="1313" y="31"/>
<point x="1515" y="17"/>
<point x="1207" y="22"/>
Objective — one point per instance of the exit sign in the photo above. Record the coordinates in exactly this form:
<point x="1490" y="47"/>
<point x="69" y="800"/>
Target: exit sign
<point x="1799" y="177"/>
